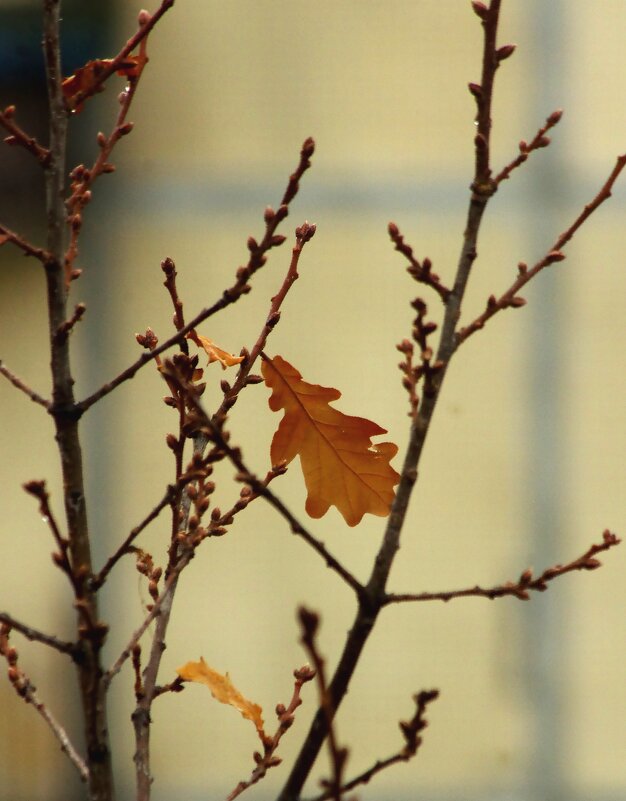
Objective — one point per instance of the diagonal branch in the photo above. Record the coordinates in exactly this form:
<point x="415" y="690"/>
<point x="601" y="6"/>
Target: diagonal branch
<point x="510" y="298"/>
<point x="26" y="690"/>
<point x="411" y="730"/>
<point x="256" y="260"/>
<point x="34" y="635"/>
<point x="259" y="487"/>
<point x="19" y="384"/>
<point x="17" y="136"/>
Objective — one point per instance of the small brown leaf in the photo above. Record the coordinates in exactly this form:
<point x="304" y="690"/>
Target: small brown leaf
<point x="214" y="352"/>
<point x="223" y="690"/>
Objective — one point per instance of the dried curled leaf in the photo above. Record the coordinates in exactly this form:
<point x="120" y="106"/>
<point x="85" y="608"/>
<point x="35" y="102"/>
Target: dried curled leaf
<point x="341" y="465"/>
<point x="214" y="352"/>
<point x="85" y="81"/>
<point x="223" y="690"/>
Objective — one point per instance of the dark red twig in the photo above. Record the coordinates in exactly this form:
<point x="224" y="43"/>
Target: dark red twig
<point x="422" y="273"/>
<point x="309" y="624"/>
<point x="524" y="585"/>
<point x="7" y="235"/>
<point x="17" y="136"/>
<point x="19" y="384"/>
<point x="147" y="22"/>
<point x="526" y="148"/>
<point x="83" y="179"/>
<point x="510" y="298"/>
<point x="61" y="557"/>
<point x="286" y="716"/>
<point x="241" y="286"/>
<point x="411" y="731"/>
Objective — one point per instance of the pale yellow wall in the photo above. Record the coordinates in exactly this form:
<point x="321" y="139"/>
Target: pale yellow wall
<point x="231" y="91"/>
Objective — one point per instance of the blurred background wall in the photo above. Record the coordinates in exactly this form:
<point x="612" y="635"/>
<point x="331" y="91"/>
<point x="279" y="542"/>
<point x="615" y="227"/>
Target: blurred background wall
<point x="524" y="464"/>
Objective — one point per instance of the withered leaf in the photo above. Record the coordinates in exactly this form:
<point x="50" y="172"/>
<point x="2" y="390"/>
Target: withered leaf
<point x="341" y="465"/>
<point x="214" y="352"/>
<point x="84" y="81"/>
<point x="223" y="690"/>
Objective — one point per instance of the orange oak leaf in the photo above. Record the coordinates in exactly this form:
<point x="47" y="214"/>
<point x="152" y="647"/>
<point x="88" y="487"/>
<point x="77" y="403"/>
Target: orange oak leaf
<point x="85" y="81"/>
<point x="341" y="465"/>
<point x="223" y="690"/>
<point x="214" y="352"/>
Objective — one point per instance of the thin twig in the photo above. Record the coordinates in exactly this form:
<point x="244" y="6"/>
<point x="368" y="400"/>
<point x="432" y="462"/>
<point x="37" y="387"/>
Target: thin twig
<point x="411" y="731"/>
<point x="539" y="141"/>
<point x="241" y="286"/>
<point x="524" y="585"/>
<point x="61" y="557"/>
<point x="19" y="384"/>
<point x="39" y="636"/>
<point x="422" y="273"/>
<point x="26" y="690"/>
<point x="165" y="501"/>
<point x="309" y="623"/>
<point x="154" y="612"/>
<point x="7" y="235"/>
<point x="147" y="23"/>
<point x="83" y="179"/>
<point x="17" y="136"/>
<point x="245" y="475"/>
<point x="286" y="717"/>
<point x="510" y="298"/>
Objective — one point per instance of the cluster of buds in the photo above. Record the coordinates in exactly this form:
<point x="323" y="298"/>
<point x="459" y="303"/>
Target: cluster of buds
<point x="145" y="566"/>
<point x="426" y="368"/>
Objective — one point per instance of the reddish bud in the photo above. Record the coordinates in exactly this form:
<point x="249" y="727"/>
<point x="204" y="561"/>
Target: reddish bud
<point x="555" y="255"/>
<point x="505" y="51"/>
<point x="125" y="129"/>
<point x="517" y="301"/>
<point x="555" y="117"/>
<point x="11" y="140"/>
<point x="9" y="112"/>
<point x="475" y="89"/>
<point x="143" y="17"/>
<point x="480" y="9"/>
<point x="252" y="244"/>
<point x="543" y="141"/>
<point x="101" y="138"/>
<point x="269" y="214"/>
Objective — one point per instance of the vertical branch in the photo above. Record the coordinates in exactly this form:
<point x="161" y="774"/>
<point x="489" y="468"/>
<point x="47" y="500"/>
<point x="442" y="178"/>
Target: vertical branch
<point x="370" y="603"/>
<point x="91" y="632"/>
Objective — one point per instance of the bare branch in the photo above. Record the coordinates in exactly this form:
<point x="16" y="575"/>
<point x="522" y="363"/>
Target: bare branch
<point x="411" y="731"/>
<point x="38" y="636"/>
<point x="241" y="286"/>
<point x="540" y="140"/>
<point x="146" y="24"/>
<point x="7" y="235"/>
<point x="286" y="717"/>
<point x="309" y="624"/>
<point x="524" y="585"/>
<point x="19" y="384"/>
<point x="26" y="690"/>
<point x="17" y="136"/>
<point x="124" y="548"/>
<point x="510" y="299"/>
